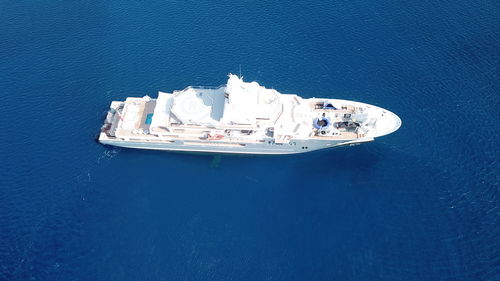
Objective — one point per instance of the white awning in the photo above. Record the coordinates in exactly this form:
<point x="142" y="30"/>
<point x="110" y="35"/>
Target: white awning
<point x="162" y="110"/>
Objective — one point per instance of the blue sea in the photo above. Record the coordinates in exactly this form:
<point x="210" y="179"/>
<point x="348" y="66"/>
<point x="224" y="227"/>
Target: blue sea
<point x="419" y="204"/>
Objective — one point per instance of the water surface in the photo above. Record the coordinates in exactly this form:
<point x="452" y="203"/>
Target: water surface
<point x="420" y="204"/>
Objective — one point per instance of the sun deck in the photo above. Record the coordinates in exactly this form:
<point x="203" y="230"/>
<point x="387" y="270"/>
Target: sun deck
<point x="135" y="115"/>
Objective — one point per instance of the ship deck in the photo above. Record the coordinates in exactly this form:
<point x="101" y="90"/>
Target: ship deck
<point x="134" y="126"/>
<point x="134" y="116"/>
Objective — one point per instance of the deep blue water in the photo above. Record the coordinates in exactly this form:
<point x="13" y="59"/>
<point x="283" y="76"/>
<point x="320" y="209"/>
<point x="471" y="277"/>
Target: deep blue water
<point x="420" y="204"/>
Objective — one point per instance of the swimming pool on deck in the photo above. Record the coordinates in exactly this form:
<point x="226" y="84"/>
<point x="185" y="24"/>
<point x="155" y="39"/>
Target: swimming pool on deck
<point x="149" y="118"/>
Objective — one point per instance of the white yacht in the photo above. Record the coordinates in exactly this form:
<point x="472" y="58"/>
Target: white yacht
<point x="242" y="117"/>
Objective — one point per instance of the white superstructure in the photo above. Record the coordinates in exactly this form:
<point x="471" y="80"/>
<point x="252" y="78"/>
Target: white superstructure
<point x="242" y="117"/>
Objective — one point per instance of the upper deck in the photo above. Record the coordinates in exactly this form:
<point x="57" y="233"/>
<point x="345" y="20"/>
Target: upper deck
<point x="131" y="117"/>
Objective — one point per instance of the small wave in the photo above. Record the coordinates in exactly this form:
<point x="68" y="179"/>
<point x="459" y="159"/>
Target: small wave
<point x="108" y="154"/>
<point x="84" y="177"/>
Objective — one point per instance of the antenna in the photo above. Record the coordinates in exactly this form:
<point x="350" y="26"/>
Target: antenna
<point x="240" y="71"/>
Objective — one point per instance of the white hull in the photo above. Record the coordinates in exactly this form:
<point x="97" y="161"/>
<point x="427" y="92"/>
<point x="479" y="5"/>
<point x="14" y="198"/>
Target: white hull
<point x="299" y="147"/>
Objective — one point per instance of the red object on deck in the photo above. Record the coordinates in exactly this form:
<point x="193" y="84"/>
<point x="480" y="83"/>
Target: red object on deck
<point x="215" y="137"/>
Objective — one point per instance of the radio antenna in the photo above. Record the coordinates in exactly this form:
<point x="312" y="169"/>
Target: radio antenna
<point x="240" y="71"/>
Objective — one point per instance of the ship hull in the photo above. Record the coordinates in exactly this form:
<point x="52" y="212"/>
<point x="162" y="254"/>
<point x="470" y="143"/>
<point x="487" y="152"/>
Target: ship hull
<point x="268" y="148"/>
